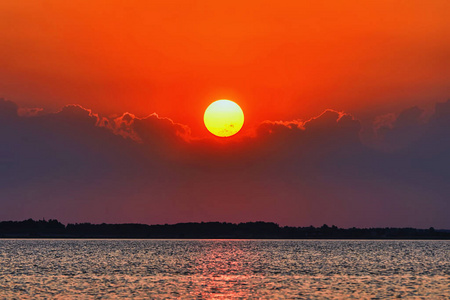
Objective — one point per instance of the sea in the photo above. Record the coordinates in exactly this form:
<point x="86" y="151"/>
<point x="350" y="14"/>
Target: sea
<point x="224" y="269"/>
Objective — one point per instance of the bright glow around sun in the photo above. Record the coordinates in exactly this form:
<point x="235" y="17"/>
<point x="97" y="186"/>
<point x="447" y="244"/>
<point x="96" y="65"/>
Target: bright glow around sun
<point x="224" y="118"/>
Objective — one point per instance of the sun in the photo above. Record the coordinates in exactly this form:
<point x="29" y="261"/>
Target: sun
<point x="223" y="118"/>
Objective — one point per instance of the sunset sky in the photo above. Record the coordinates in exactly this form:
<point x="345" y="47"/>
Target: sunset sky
<point x="346" y="114"/>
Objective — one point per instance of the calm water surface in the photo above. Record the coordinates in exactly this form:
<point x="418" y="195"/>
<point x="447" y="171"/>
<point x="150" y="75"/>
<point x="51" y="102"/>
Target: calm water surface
<point x="224" y="269"/>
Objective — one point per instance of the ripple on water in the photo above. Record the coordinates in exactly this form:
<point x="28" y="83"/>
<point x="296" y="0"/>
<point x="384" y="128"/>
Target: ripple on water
<point x="224" y="269"/>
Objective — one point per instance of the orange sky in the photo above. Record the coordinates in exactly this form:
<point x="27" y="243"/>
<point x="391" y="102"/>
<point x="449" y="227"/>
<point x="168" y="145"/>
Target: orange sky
<point x="280" y="60"/>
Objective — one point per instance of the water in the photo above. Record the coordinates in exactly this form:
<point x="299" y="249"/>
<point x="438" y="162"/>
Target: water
<point x="224" y="269"/>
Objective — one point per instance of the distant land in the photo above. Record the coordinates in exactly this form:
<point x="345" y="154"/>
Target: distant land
<point x="206" y="230"/>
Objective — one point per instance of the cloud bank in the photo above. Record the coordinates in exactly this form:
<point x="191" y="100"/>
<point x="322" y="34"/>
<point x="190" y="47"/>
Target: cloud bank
<point x="76" y="165"/>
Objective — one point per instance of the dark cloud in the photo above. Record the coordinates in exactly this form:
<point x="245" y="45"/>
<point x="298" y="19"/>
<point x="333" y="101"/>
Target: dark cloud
<point x="396" y="132"/>
<point x="442" y="113"/>
<point x="150" y="129"/>
<point x="430" y="152"/>
<point x="30" y="112"/>
<point x="410" y="131"/>
<point x="78" y="166"/>
<point x="8" y="109"/>
<point x="310" y="144"/>
<point x="330" y="123"/>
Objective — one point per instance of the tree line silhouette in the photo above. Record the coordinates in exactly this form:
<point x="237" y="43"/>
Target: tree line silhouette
<point x="206" y="230"/>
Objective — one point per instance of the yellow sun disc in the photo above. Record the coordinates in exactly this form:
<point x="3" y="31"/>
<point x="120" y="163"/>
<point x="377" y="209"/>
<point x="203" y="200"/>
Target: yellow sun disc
<point x="223" y="118"/>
